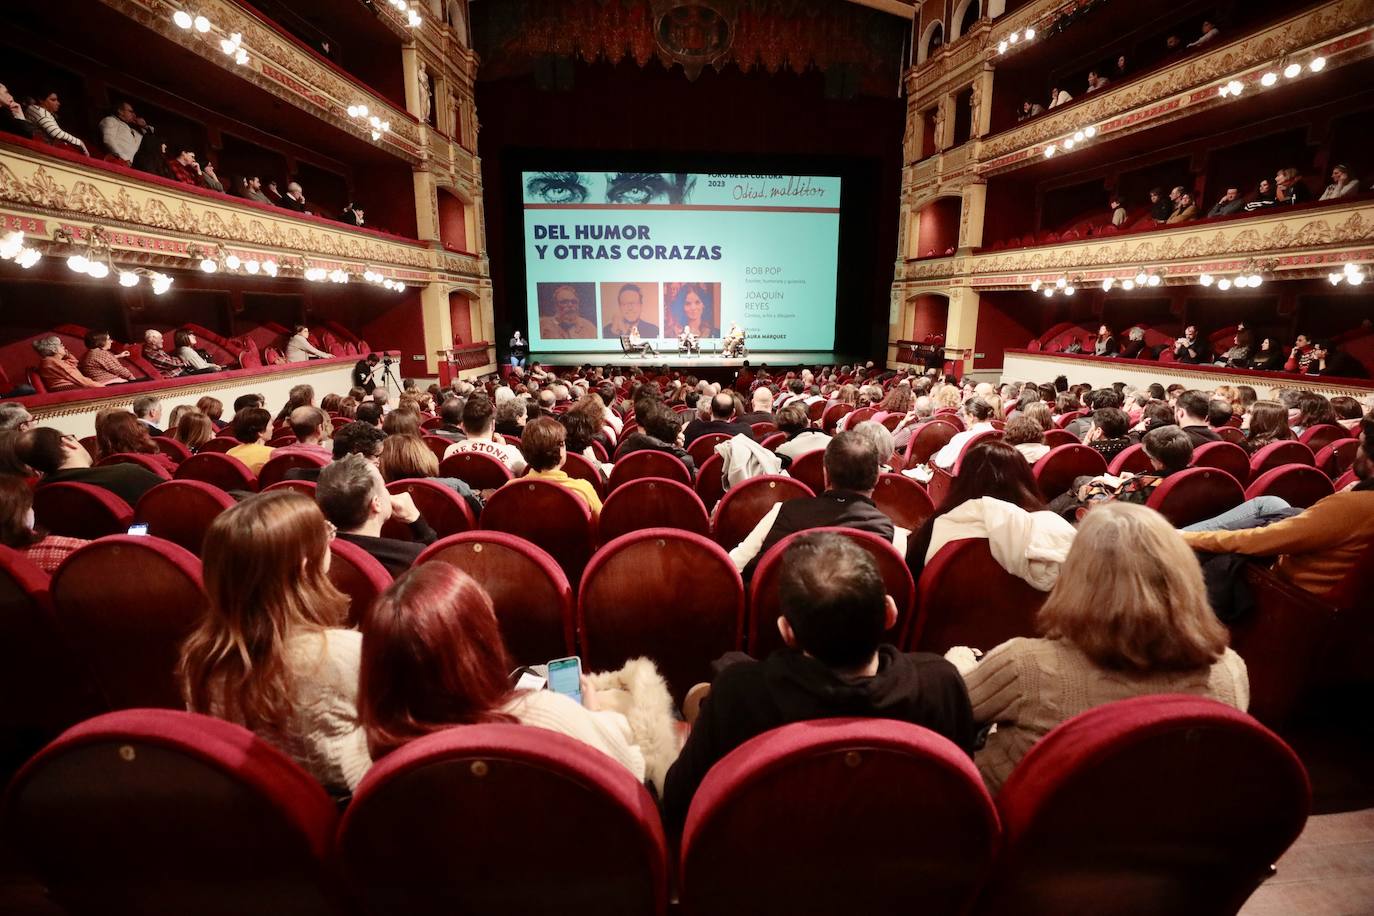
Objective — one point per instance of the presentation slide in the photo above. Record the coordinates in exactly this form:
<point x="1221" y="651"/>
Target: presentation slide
<point x="608" y="253"/>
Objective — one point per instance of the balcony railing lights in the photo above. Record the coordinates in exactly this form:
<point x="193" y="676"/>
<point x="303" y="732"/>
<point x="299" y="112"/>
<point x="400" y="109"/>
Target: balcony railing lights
<point x="231" y="44"/>
<point x="1352" y="274"/>
<point x="1290" y="69"/>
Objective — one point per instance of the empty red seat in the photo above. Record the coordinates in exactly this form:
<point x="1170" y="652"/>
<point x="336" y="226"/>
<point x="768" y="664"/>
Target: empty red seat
<point x="652" y="502"/>
<point x="274" y="471"/>
<point x="529" y="590"/>
<point x="166" y="813"/>
<point x="1298" y="484"/>
<point x="1224" y="456"/>
<point x="1278" y="454"/>
<point x="223" y="471"/>
<point x="1196" y="494"/>
<point x="928" y="439"/>
<point x="1231" y="434"/>
<point x="173" y="449"/>
<point x="1136" y="808"/>
<point x="443" y="826"/>
<point x="672" y="596"/>
<point x="821" y="817"/>
<point x="831" y="415"/>
<point x="1062" y="465"/>
<point x="903" y="500"/>
<point x="773" y="440"/>
<point x="762" y="635"/>
<point x="1057" y="437"/>
<point x="441" y="506"/>
<point x="947" y="613"/>
<point x="219" y="444"/>
<point x="745" y="505"/>
<point x="147" y="462"/>
<point x="710" y="483"/>
<point x="80" y="510"/>
<point x="1338" y="457"/>
<point x="1132" y="459"/>
<point x="477" y="470"/>
<point x="1323" y="434"/>
<point x="547" y="515"/>
<point x="181" y="511"/>
<point x="809" y="468"/>
<point x="438" y="445"/>
<point x="649" y="463"/>
<point x="704" y="447"/>
<point x="359" y="575"/>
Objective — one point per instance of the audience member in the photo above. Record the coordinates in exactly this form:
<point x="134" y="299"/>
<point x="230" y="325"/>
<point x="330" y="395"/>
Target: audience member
<point x="977" y="416"/>
<point x="1238" y="355"/>
<point x="184" y="168"/>
<point x="312" y="429"/>
<point x="1313" y="410"/>
<point x="479" y="427"/>
<point x="1059" y="97"/>
<point x="12" y="120"/>
<point x="15" y="416"/>
<point x="762" y="403"/>
<point x="122" y="133"/>
<point x="252" y="428"/>
<point x="18" y="530"/>
<point x="1289" y="189"/>
<point x="100" y="364"/>
<point x="1342" y="185"/>
<point x="1096" y="81"/>
<point x="62" y="459"/>
<point x="544" y="447"/>
<point x="42" y="114"/>
<point x="1107" y="435"/>
<point x="1301" y="356"/>
<point x="357" y="439"/>
<point x="1160" y="206"/>
<point x="58" y="369"/>
<point x="118" y="432"/>
<point x="294" y="198"/>
<point x="1105" y="345"/>
<point x="166" y="364"/>
<point x="193" y="430"/>
<point x="1029" y="110"/>
<point x="660" y="431"/>
<point x="409" y="458"/>
<point x="1184" y="210"/>
<point x="1190" y="413"/>
<point x="354" y="498"/>
<point x="1189" y="348"/>
<point x="722" y="409"/>
<point x="250" y="187"/>
<point x="299" y="349"/>
<point x="1210" y="33"/>
<point x="148" y="409"/>
<point x="1228" y="203"/>
<point x="1027" y="437"/>
<point x="1268" y="356"/>
<point x="185" y="342"/>
<point x="1118" y="211"/>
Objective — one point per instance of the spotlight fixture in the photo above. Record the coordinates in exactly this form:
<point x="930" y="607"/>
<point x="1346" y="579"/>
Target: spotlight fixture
<point x="1205" y="279"/>
<point x="182" y="19"/>
<point x="1317" y="65"/>
<point x="1224" y="283"/>
<point x="232" y="262"/>
<point x="1107" y="284"/>
<point x="202" y="24"/>
<point x="1049" y="151"/>
<point x="1128" y="284"/>
<point x="1035" y="286"/>
<point x="269" y="267"/>
<point x="1292" y="70"/>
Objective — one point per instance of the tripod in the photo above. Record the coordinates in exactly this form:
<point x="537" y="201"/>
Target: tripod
<point x="389" y="376"/>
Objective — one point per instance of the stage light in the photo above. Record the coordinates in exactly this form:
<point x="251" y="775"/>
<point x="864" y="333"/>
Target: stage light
<point x="269" y="267"/>
<point x="1128" y="284"/>
<point x="232" y="262"/>
<point x="1223" y="90"/>
<point x="1068" y="144"/>
<point x="1153" y="280"/>
<point x="1335" y="279"/>
<point x="208" y="265"/>
<point x="1354" y="279"/>
<point x="1107" y="284"/>
<point x="1223" y="284"/>
<point x="1035" y="286"/>
<point x="1205" y="279"/>
<point x="1090" y="131"/>
<point x="1069" y="290"/>
<point x="1002" y="46"/>
<point x="1318" y="64"/>
<point x="1141" y="278"/>
<point x="1292" y="70"/>
<point x="161" y="283"/>
<point x="252" y="266"/>
<point x="1236" y="87"/>
<point x="128" y="278"/>
<point x="97" y="269"/>
<point x="1030" y="33"/>
<point x="1014" y="37"/>
<point x="182" y="19"/>
<point x="241" y="58"/>
<point x="1269" y="79"/>
<point x="78" y="263"/>
<point x="11" y="245"/>
<point x="1061" y="282"/>
<point x="1049" y="292"/>
<point x="1078" y="136"/>
<point x="28" y="257"/>
<point x="1256" y="281"/>
<point x="202" y="24"/>
<point x="1049" y="151"/>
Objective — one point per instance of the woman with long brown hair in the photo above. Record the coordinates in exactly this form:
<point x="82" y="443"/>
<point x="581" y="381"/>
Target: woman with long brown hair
<point x="1268" y="423"/>
<point x="193" y="430"/>
<point x="120" y="432"/>
<point x="271" y="653"/>
<point x="18" y="531"/>
<point x="214" y="409"/>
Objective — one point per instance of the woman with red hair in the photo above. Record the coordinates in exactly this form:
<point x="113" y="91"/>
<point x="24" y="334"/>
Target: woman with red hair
<point x="433" y="658"/>
<point x="120" y="432"/>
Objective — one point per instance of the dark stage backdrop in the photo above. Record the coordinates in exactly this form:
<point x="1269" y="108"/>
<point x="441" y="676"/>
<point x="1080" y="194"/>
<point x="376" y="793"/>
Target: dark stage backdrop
<point x="724" y="121"/>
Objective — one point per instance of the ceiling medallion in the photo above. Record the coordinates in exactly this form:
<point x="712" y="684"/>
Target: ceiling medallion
<point x="695" y="33"/>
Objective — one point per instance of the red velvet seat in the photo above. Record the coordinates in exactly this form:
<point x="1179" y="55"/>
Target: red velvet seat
<point x="647" y="463"/>
<point x="1323" y="434"/>
<point x="181" y="511"/>
<point x="223" y="471"/>
<point x="1338" y="457"/>
<point x="1346" y="480"/>
<point x="579" y="468"/>
<point x="547" y="515"/>
<point x="1057" y="437"/>
<point x="80" y="510"/>
<point x="652" y="502"/>
<point x="1224" y="456"/>
<point x="1298" y="484"/>
<point x="966" y="598"/>
<point x="1062" y="465"/>
<point x="450" y="823"/>
<point x="939" y="485"/>
<point x="1196" y="494"/>
<point x="432" y="423"/>
<point x="477" y="470"/>
<point x="761" y="631"/>
<point x="219" y="444"/>
<point x="172" y="448"/>
<point x="1231" y="434"/>
<point x="745" y="505"/>
<point x="442" y="508"/>
<point x="773" y="440"/>
<point x="809" y="468"/>
<point x="903" y="500"/>
<point x="858" y="416"/>
<point x="831" y="415"/>
<point x="671" y="596"/>
<point x="147" y="462"/>
<point x="1278" y="454"/>
<point x="1065" y="419"/>
<point x="815" y="412"/>
<point x="822" y="817"/>
<point x="528" y="589"/>
<point x="166" y="813"/>
<point x="710" y="483"/>
<point x="891" y="421"/>
<point x="282" y="441"/>
<point x="1132" y="459"/>
<point x="763" y="429"/>
<point x="90" y="443"/>
<point x="704" y="447"/>
<point x="300" y="486"/>
<point x="1136" y="808"/>
<point x="274" y="471"/>
<point x="928" y="439"/>
<point x="438" y="445"/>
<point x="124" y="605"/>
<point x="359" y="575"/>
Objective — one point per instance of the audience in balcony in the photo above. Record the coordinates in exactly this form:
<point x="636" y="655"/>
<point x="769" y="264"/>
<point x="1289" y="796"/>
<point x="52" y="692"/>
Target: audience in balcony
<point x="122" y="133"/>
<point x="299" y="349"/>
<point x="196" y="360"/>
<point x="1301" y="357"/>
<point x="57" y="367"/>
<point x="353" y="214"/>
<point x="1342" y="185"/>
<point x="1105" y="345"/>
<point x="1059" y="97"/>
<point x="19" y="532"/>
<point x="100" y="364"/>
<point x="1289" y="189"/>
<point x="1135" y="344"/>
<point x="1120" y="68"/>
<point x="250" y="187"/>
<point x="1128" y="616"/>
<point x="1238" y="355"/>
<point x="1189" y="348"/>
<point x="42" y="113"/>
<point x="1268" y="356"/>
<point x="1161" y="208"/>
<point x="1210" y="33"/>
<point x="184" y="168"/>
<point x="1118" y="211"/>
<point x="165" y="363"/>
<point x="1096" y="81"/>
<point x="1263" y="197"/>
<point x="294" y="199"/>
<point x="1029" y="110"/>
<point x="1228" y="203"/>
<point x="12" y="120"/>
<point x="57" y="459"/>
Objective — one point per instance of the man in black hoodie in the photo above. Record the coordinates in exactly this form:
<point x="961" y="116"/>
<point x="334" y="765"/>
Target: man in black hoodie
<point x="834" y="615"/>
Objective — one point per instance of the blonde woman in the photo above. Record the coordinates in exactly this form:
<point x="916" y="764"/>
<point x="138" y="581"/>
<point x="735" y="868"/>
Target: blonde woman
<point x="1128" y="617"/>
<point x="271" y="653"/>
<point x="407" y="457"/>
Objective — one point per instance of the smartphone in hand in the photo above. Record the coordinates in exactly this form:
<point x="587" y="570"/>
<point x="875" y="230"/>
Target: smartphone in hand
<point x="565" y="677"/>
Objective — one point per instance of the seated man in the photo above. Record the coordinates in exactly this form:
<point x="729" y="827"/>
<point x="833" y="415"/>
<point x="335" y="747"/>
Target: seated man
<point x="1107" y="434"/>
<point x="479" y="426"/>
<point x="762" y="403"/>
<point x="638" y="344"/>
<point x="311" y="427"/>
<point x="1190" y="412"/>
<point x="58" y="368"/>
<point x="659" y="427"/>
<point x="451" y="412"/>
<point x="187" y="170"/>
<point x="252" y="428"/>
<point x="687" y="341"/>
<point x="834" y="615"/>
<point x="148" y="409"/>
<point x="165" y="363"/>
<point x="722" y="421"/>
<point x="122" y="133"/>
<point x="354" y="498"/>
<point x="851" y="475"/>
<point x="62" y="459"/>
<point x="1189" y="349"/>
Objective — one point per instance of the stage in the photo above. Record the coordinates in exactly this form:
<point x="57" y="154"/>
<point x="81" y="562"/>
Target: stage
<point x="670" y="358"/>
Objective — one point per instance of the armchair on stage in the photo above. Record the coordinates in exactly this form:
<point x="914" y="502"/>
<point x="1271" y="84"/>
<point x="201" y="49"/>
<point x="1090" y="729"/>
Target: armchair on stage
<point x="733" y="344"/>
<point x="633" y="344"/>
<point x="687" y="343"/>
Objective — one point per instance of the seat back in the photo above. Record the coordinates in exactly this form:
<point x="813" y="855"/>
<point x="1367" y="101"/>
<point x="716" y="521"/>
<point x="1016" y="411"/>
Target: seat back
<point x="763" y="429"/>
<point x="750" y="809"/>
<point x="579" y="468"/>
<point x="147" y="462"/>
<point x="809" y="468"/>
<point x="443" y="826"/>
<point x="80" y="510"/>
<point x="1057" y="437"/>
<point x="704" y="447"/>
<point x="764" y="607"/>
<point x="124" y="605"/>
<point x="528" y="589"/>
<point x="547" y="515"/>
<point x="1298" y="484"/>
<point x="1323" y="434"/>
<point x="1231" y="434"/>
<point x="274" y="471"/>
<point x="830" y="418"/>
<point x="672" y="596"/>
<point x="903" y="500"/>
<point x="476" y="469"/>
<point x="223" y="471"/>
<point x="175" y="814"/>
<point x="1132" y="459"/>
<point x="649" y="463"/>
<point x="652" y="502"/>
<point x="1338" y="457"/>
<point x="745" y="505"/>
<point x="1224" y="456"/>
<point x="710" y="483"/>
<point x="1187" y="837"/>
<point x="440" y="506"/>
<point x="1195" y="495"/>
<point x="438" y="445"/>
<point x="173" y="449"/>
<point x="300" y="486"/>
<point x="945" y="616"/>
<point x="928" y="439"/>
<point x="1065" y="419"/>
<point x="976" y="438"/>
<point x="773" y="440"/>
<point x="219" y="444"/>
<point x="181" y="511"/>
<point x="1277" y="454"/>
<point x="359" y="575"/>
<point x="1057" y="470"/>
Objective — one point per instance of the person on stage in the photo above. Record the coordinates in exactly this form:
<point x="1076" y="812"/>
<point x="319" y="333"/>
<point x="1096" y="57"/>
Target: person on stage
<point x="519" y="351"/>
<point x="687" y="341"/>
<point x="363" y="370"/>
<point x="638" y="344"/>
<point x="734" y="341"/>
<point x="693" y="307"/>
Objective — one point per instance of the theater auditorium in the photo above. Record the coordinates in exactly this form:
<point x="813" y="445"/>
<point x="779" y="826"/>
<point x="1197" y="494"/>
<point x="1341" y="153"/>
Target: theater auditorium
<point x="686" y="456"/>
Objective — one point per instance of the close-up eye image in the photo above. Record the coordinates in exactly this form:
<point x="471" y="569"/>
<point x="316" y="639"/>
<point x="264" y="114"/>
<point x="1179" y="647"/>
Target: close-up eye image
<point x="558" y="187"/>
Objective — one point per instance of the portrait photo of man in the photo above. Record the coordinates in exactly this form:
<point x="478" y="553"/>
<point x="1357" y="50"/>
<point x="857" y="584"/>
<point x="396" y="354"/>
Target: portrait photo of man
<point x="628" y="308"/>
<point x="567" y="311"/>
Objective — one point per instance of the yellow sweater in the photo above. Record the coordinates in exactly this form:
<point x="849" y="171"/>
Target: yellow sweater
<point x="1315" y="550"/>
<point x="581" y="487"/>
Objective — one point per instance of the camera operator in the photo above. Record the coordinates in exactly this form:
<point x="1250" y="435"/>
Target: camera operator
<point x="363" y="371"/>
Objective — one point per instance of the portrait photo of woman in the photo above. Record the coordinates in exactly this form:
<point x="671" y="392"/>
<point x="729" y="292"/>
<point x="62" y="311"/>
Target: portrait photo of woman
<point x="693" y="305"/>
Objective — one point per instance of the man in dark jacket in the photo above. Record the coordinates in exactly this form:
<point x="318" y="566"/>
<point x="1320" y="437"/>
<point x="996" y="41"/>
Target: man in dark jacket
<point x="658" y="429"/>
<point x="722" y="421"/>
<point x="354" y="498"/>
<point x="834" y="615"/>
<point x="363" y="370"/>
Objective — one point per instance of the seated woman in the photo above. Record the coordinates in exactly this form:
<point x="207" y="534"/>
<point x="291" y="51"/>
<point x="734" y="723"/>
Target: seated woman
<point x="1128" y="617"/>
<point x="1313" y="410"/>
<point x="252" y="426"/>
<point x="1268" y="356"/>
<point x="185" y="343"/>
<point x="433" y="658"/>
<point x="408" y="458"/>
<point x="193" y="430"/>
<point x="977" y="415"/>
<point x="1027" y="436"/>
<point x="58" y="368"/>
<point x="1348" y="411"/>
<point x="18" y="532"/>
<point x="660" y="430"/>
<point x="1268" y="424"/>
<point x="120" y="432"/>
<point x="100" y="364"/>
<point x="270" y="652"/>
<point x="801" y="438"/>
<point x="214" y="409"/>
<point x="1169" y="449"/>
<point x="544" y="447"/>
